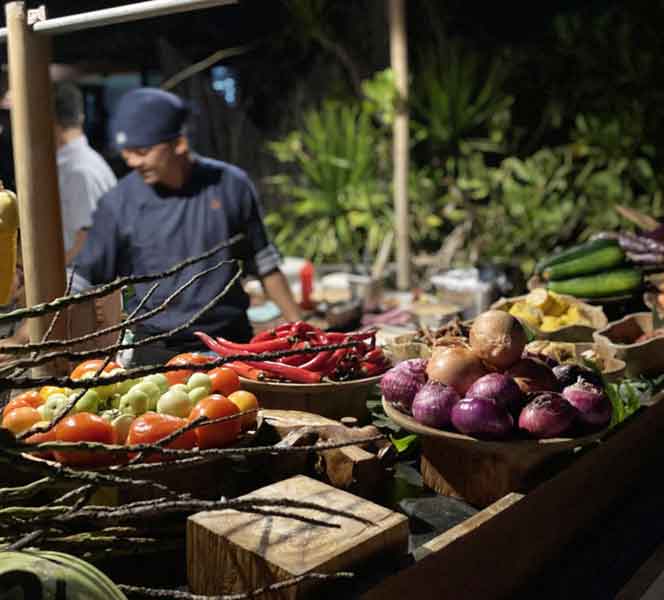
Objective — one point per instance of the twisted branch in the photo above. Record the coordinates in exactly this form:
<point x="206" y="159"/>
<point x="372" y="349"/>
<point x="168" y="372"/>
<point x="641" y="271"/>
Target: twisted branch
<point x="141" y="592"/>
<point x="39" y="310"/>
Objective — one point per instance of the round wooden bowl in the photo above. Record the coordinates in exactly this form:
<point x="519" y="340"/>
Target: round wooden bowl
<point x="479" y="471"/>
<point x="332" y="400"/>
<point x="641" y="358"/>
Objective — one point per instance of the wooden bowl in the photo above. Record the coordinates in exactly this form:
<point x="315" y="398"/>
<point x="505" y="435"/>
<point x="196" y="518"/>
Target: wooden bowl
<point x="570" y="333"/>
<point x="405" y="347"/>
<point x="641" y="358"/>
<point x="332" y="400"/>
<point x="481" y="472"/>
<point x="614" y="368"/>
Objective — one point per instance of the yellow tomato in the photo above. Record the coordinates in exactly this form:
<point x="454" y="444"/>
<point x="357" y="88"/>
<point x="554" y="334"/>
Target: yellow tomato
<point x="49" y="390"/>
<point x="245" y="400"/>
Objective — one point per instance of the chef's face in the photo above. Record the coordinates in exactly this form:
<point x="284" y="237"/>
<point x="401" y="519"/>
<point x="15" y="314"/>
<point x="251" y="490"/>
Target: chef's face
<point x="163" y="163"/>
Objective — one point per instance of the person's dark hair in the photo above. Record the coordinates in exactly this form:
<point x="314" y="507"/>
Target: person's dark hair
<point x="68" y="105"/>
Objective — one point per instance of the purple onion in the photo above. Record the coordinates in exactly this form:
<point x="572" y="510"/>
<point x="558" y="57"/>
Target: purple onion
<point x="570" y="374"/>
<point x="482" y="418"/>
<point x="594" y="407"/>
<point x="400" y="384"/>
<point x="502" y="388"/>
<point x="547" y="415"/>
<point x="433" y="404"/>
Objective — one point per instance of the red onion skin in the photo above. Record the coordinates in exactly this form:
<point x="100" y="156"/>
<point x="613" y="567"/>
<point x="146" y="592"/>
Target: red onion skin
<point x="482" y="417"/>
<point x="433" y="404"/>
<point x="502" y="388"/>
<point x="548" y="415"/>
<point x="400" y="384"/>
<point x="594" y="407"/>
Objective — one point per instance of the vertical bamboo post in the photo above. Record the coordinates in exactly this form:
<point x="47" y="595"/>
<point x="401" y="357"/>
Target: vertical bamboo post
<point x="33" y="141"/>
<point x="400" y="148"/>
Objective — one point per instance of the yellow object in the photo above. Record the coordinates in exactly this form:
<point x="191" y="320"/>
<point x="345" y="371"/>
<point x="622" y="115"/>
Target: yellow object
<point x="48" y="390"/>
<point x="550" y="323"/>
<point x="547" y="311"/>
<point x="8" y="241"/>
<point x="529" y="315"/>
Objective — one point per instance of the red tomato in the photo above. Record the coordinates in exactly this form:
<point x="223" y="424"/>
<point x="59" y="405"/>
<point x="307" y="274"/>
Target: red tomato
<point x="183" y="359"/>
<point x="85" y="427"/>
<point x="152" y="427"/>
<point x="219" y="434"/>
<point x="225" y="381"/>
<point x="91" y="367"/>
<point x="20" y="419"/>
<point x="41" y="438"/>
<point x="31" y="398"/>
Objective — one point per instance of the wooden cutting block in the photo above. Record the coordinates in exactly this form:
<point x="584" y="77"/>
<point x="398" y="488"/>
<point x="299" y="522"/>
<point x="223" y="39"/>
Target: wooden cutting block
<point x="236" y="552"/>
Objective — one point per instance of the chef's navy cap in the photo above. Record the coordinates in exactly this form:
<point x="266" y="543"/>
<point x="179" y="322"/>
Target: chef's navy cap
<point x="148" y="116"/>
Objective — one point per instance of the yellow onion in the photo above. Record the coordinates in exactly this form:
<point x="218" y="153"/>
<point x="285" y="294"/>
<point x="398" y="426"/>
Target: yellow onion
<point x="456" y="366"/>
<point x="497" y="338"/>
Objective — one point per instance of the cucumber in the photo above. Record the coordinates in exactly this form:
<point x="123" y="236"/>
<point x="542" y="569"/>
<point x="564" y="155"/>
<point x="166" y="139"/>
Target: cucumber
<point x="590" y="262"/>
<point x="573" y="252"/>
<point x="599" y="285"/>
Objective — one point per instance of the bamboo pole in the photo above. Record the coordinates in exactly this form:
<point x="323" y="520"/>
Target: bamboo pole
<point x="33" y="140"/>
<point x="400" y="148"/>
<point x="120" y="14"/>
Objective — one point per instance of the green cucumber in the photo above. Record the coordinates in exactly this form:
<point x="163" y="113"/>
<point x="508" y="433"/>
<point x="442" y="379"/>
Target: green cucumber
<point x="599" y="285"/>
<point x="591" y="262"/>
<point x="573" y="252"/>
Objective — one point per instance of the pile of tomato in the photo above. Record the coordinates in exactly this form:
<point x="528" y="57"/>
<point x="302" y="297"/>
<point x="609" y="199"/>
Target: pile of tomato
<point x="220" y="396"/>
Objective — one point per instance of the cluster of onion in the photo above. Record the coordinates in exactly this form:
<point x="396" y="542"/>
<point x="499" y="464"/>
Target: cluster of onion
<point x="489" y="387"/>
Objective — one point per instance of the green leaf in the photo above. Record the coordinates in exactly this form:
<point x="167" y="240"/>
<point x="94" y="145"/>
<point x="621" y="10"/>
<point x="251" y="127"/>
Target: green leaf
<point x="405" y="443"/>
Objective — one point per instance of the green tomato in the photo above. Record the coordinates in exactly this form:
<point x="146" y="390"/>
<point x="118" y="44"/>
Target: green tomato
<point x="53" y="405"/>
<point x="160" y="380"/>
<point x="122" y="387"/>
<point x="176" y="403"/>
<point x="134" y="402"/>
<point x="197" y="394"/>
<point x="110" y="414"/>
<point x="47" y="413"/>
<point x="114" y="401"/>
<point x="180" y="386"/>
<point x="199" y="380"/>
<point x="151" y="390"/>
<point x="122" y="423"/>
<point x="88" y="402"/>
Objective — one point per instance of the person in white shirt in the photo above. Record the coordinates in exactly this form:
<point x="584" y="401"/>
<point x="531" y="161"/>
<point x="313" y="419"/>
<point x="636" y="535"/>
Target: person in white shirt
<point x="83" y="175"/>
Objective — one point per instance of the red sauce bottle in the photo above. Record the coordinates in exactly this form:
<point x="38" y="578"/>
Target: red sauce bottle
<point x="307" y="285"/>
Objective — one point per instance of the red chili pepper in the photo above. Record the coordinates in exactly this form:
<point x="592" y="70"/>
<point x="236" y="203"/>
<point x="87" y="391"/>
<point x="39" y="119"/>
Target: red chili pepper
<point x="280" y="343"/>
<point x="318" y="362"/>
<point x="268" y="334"/>
<point x="370" y="369"/>
<point x="375" y="355"/>
<point x="297" y="360"/>
<point x="246" y="371"/>
<point x="300" y="328"/>
<point x="213" y="344"/>
<point x="295" y="374"/>
<point x="334" y="361"/>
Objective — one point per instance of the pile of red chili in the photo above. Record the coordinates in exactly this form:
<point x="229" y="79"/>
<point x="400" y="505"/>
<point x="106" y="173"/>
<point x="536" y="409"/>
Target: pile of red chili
<point x="359" y="358"/>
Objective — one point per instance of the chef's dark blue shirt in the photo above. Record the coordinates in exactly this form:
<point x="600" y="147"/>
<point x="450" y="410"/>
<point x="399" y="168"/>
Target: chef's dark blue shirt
<point x="140" y="229"/>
